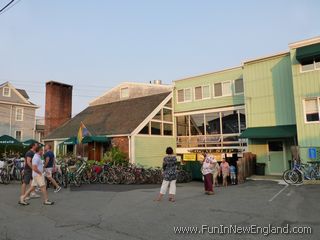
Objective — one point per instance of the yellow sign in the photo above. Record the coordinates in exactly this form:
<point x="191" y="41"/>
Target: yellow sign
<point x="189" y="157"/>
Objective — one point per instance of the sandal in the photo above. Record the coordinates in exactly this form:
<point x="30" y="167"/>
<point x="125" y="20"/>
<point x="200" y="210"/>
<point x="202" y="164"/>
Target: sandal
<point x="48" y="202"/>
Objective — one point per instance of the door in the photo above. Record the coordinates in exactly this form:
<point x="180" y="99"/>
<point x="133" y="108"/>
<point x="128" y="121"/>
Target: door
<point x="276" y="157"/>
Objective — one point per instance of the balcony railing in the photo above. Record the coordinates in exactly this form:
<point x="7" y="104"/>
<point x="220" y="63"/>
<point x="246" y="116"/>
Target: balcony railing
<point x="225" y="140"/>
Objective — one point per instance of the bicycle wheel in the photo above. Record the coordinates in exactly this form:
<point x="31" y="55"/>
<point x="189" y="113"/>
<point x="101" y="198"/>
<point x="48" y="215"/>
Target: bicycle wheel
<point x="102" y="178"/>
<point x="77" y="181"/>
<point x="5" y="177"/>
<point x="295" y="177"/>
<point x="286" y="176"/>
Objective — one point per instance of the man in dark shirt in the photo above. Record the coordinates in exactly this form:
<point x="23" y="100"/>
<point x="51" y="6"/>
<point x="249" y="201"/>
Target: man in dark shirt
<point x="27" y="173"/>
<point x="49" y="166"/>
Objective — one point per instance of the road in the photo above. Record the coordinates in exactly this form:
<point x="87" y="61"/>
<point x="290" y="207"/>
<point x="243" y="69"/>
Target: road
<point x="129" y="212"/>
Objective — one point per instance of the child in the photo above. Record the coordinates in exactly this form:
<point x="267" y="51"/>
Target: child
<point x="233" y="174"/>
<point x="224" y="169"/>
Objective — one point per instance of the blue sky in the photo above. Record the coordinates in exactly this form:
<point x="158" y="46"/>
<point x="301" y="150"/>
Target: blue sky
<point x="95" y="45"/>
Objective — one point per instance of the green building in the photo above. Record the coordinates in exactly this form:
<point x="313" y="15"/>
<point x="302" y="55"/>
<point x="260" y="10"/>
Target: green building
<point x="267" y="106"/>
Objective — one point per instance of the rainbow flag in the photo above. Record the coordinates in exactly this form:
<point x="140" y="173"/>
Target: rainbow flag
<point x="82" y="132"/>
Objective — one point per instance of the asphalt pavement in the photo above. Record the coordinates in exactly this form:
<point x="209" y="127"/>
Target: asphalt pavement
<point x="129" y="212"/>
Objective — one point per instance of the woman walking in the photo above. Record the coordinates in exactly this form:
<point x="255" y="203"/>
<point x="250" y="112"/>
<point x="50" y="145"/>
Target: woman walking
<point x="207" y="169"/>
<point x="169" y="176"/>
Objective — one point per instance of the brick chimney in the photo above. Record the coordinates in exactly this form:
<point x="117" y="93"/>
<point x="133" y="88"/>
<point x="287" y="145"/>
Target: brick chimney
<point x="58" y="105"/>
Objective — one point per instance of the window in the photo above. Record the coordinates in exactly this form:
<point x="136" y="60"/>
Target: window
<point x="202" y="92"/>
<point x="18" y="135"/>
<point x="198" y="93"/>
<point x="182" y="125"/>
<point x="213" y="123"/>
<point x="311" y="108"/>
<point x="187" y="95"/>
<point x="158" y="116"/>
<point x="145" y="130"/>
<point x="167" y="115"/>
<point x="161" y="124"/>
<point x="217" y="89"/>
<point x="206" y="92"/>
<point x="226" y="89"/>
<point x="19" y="114"/>
<point x="6" y="92"/>
<point x="184" y="95"/>
<point x="124" y="92"/>
<point x="167" y="129"/>
<point x="155" y="128"/>
<point x="238" y="86"/>
<point x="230" y="122"/>
<point x="275" y="146"/>
<point x="310" y="64"/>
<point x="197" y="124"/>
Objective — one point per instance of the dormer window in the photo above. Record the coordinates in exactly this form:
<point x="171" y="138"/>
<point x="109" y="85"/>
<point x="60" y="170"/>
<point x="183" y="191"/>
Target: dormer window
<point x="6" y="92"/>
<point x="124" y="93"/>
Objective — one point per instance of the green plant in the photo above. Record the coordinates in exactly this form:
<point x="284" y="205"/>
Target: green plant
<point x="115" y="156"/>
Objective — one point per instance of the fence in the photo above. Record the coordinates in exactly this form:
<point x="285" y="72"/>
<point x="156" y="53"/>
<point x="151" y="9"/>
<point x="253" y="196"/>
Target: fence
<point x="246" y="166"/>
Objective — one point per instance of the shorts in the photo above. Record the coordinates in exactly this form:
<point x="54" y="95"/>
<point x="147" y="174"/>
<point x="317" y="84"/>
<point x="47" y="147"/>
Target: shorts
<point x="27" y="177"/>
<point x="48" y="172"/>
<point x="233" y="175"/>
<point x="38" y="181"/>
<point x="225" y="174"/>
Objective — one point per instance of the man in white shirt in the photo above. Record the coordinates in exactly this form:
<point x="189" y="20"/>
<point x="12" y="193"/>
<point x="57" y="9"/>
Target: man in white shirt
<point x="38" y="179"/>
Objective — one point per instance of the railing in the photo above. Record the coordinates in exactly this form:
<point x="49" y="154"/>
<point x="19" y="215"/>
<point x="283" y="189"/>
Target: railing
<point x="218" y="140"/>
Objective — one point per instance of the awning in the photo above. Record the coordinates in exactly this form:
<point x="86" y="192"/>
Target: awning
<point x="70" y="141"/>
<point x="89" y="139"/>
<point x="285" y="131"/>
<point x="7" y="140"/>
<point x="31" y="141"/>
<point x="308" y="52"/>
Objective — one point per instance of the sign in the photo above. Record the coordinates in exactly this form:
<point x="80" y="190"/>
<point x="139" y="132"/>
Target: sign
<point x="200" y="157"/>
<point x="189" y="157"/>
<point x="312" y="153"/>
<point x="215" y="150"/>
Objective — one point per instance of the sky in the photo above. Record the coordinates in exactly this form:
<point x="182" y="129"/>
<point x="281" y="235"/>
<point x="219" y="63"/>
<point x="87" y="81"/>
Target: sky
<point x="95" y="45"/>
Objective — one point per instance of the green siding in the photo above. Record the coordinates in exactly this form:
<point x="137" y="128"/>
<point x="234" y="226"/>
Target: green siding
<point x="209" y="79"/>
<point x="306" y="84"/>
<point x="269" y="92"/>
<point x="150" y="150"/>
<point x="260" y="148"/>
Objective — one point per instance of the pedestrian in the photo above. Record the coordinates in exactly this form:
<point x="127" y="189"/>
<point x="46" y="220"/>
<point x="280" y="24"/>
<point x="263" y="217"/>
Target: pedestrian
<point x="233" y="175"/>
<point x="27" y="172"/>
<point x="207" y="169"/>
<point x="38" y="178"/>
<point x="216" y="173"/>
<point x="224" y="170"/>
<point x="169" y="167"/>
<point x="49" y="166"/>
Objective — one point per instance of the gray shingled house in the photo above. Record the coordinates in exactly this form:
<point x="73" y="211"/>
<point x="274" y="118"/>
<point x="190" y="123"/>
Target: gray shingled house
<point x="140" y="125"/>
<point x="17" y="113"/>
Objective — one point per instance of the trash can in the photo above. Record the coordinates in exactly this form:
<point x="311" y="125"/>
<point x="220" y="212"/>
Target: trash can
<point x="260" y="169"/>
<point x="194" y="167"/>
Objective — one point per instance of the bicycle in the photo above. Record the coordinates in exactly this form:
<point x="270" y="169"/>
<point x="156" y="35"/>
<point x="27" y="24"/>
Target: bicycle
<point x="298" y="173"/>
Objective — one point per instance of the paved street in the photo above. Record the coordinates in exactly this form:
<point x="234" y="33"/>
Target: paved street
<point x="128" y="212"/>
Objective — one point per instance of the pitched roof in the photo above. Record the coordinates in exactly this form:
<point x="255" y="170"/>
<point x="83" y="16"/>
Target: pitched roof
<point x="115" y="118"/>
<point x="23" y="93"/>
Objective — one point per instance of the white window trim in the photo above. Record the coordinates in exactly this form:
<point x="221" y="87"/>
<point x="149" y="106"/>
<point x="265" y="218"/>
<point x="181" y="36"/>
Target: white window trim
<point x="9" y="95"/>
<point x="314" y="68"/>
<point x="184" y="95"/>
<point x="213" y="93"/>
<point x="22" y="113"/>
<point x="227" y="95"/>
<point x="304" y="110"/>
<point x="224" y="95"/>
<point x="234" y="87"/>
<point x="202" y="98"/>
<point x="121" y="97"/>
<point x="15" y="134"/>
